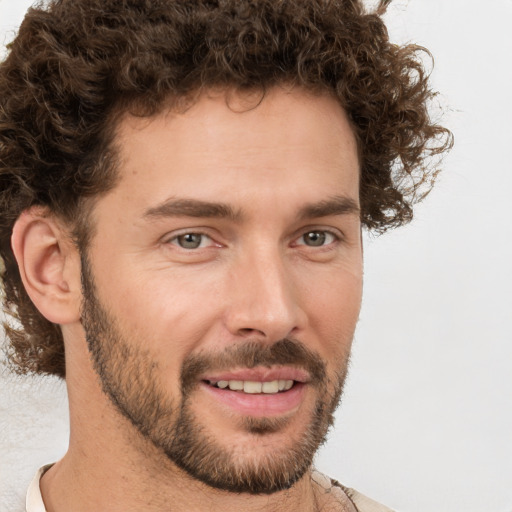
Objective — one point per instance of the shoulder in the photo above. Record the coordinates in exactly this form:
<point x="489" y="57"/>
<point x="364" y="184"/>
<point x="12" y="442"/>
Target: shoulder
<point x="362" y="502"/>
<point x="340" y="495"/>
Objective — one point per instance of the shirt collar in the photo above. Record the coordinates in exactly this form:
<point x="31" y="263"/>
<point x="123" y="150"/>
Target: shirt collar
<point x="34" y="502"/>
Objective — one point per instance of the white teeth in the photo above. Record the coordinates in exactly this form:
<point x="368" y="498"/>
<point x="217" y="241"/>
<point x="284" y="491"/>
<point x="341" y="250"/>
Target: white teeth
<point x="270" y="387"/>
<point x="253" y="387"/>
<point x="285" y="385"/>
<point x="288" y="385"/>
<point x="236" y="385"/>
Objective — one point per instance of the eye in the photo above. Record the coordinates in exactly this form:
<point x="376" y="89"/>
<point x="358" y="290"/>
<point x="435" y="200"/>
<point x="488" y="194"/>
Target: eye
<point x="317" y="238"/>
<point x="192" y="241"/>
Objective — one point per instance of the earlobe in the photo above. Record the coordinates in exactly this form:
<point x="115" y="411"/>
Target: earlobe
<point x="49" y="265"/>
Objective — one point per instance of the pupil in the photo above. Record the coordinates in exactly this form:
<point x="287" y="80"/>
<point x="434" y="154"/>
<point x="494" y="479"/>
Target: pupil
<point x="190" y="241"/>
<point x="315" y="238"/>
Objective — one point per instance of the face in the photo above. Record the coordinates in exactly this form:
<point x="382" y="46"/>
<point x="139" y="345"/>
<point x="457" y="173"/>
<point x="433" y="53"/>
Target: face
<point x="223" y="283"/>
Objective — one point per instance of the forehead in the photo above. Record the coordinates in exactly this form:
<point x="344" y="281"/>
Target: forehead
<point x="225" y="142"/>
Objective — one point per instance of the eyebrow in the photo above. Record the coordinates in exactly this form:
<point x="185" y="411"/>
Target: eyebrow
<point x="193" y="208"/>
<point x="336" y="205"/>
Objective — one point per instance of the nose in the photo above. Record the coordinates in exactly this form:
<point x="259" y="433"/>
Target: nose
<point x="263" y="299"/>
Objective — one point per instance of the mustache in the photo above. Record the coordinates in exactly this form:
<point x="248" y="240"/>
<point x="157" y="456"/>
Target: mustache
<point x="250" y="354"/>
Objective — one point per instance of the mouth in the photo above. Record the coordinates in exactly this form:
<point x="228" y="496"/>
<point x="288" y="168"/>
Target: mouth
<point x="253" y="387"/>
<point x="258" y="392"/>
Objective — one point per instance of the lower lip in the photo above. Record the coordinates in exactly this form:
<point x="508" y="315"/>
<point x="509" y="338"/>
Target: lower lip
<point x="259" y="405"/>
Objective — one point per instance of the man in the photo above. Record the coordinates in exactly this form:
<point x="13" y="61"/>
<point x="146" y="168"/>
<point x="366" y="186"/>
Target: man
<point x="183" y="190"/>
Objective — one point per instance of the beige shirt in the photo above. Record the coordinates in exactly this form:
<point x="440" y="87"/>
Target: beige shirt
<point x="35" y="503"/>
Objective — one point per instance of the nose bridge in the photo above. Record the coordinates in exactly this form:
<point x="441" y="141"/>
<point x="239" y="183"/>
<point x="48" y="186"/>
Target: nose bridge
<point x="264" y="300"/>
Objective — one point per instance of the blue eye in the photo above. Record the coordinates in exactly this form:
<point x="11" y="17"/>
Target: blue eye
<point x="317" y="238"/>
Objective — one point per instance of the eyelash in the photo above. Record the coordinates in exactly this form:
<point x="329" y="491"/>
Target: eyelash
<point x="175" y="240"/>
<point x="323" y="232"/>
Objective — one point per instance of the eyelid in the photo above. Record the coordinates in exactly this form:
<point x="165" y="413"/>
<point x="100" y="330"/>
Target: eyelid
<point x="204" y="240"/>
<point x="336" y="233"/>
<point x="169" y="238"/>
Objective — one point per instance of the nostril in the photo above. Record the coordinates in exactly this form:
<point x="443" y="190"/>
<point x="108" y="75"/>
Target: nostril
<point x="247" y="331"/>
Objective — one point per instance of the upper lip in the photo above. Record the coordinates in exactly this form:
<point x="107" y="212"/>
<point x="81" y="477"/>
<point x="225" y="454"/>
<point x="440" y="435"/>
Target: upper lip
<point x="260" y="374"/>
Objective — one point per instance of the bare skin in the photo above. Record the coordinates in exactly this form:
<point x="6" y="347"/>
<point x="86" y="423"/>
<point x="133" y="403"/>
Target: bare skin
<point x="284" y="262"/>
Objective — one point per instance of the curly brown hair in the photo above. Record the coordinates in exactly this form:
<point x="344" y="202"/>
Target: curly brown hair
<point x="76" y="64"/>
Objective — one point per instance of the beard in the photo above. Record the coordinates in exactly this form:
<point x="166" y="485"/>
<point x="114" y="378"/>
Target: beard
<point x="127" y="372"/>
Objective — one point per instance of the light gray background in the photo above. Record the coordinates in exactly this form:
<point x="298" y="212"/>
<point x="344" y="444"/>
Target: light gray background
<point x="426" y="422"/>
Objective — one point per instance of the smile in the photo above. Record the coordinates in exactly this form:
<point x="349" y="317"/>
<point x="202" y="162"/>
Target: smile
<point x="258" y="392"/>
<point x="254" y="387"/>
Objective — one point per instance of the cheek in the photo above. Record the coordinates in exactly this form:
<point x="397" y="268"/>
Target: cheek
<point x="334" y="311"/>
<point x="168" y="313"/>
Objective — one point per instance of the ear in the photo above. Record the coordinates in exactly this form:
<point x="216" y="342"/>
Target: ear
<point x="49" y="265"/>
